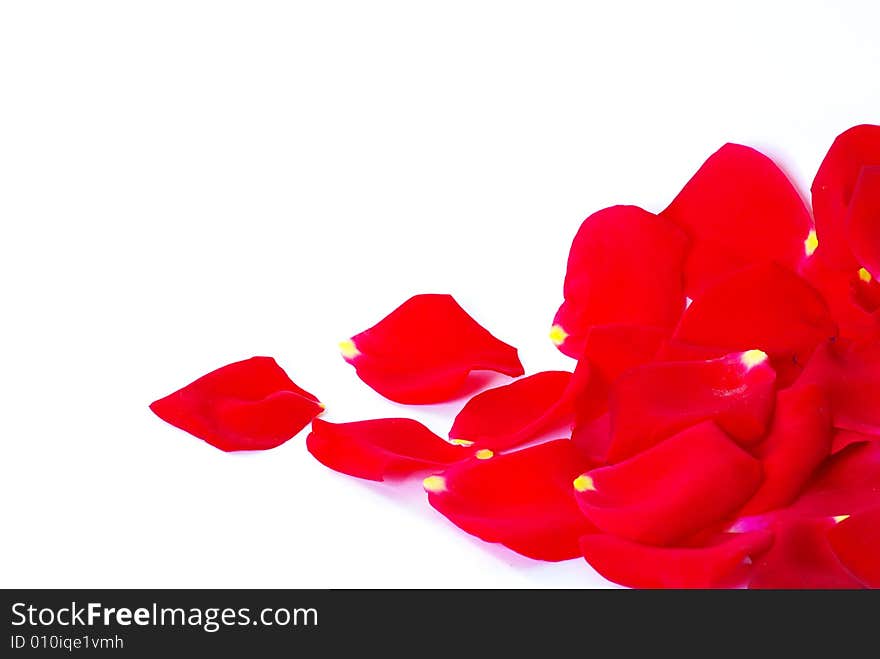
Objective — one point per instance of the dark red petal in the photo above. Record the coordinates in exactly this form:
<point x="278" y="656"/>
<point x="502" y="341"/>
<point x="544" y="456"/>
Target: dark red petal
<point x="764" y="306"/>
<point x="672" y="490"/>
<point x="856" y="543"/>
<point x="651" y="402"/>
<point x="863" y="220"/>
<point x="720" y="564"/>
<point x="843" y="438"/>
<point x="738" y="209"/>
<point x="833" y="187"/>
<point x="799" y="439"/>
<point x="243" y="406"/>
<point x="846" y="484"/>
<point x="522" y="500"/>
<point x="423" y="351"/>
<point x="801" y="557"/>
<point x="506" y="416"/>
<point x="625" y="266"/>
<point x="378" y="448"/>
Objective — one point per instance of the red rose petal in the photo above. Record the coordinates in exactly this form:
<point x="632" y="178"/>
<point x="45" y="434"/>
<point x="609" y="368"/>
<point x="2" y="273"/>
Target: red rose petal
<point x="243" y="406"/>
<point x="738" y="209"/>
<point x="610" y="351"/>
<point x="846" y="484"/>
<point x="673" y="490"/>
<point x="764" y="306"/>
<point x="843" y="438"/>
<point x="423" y="351"/>
<point x="856" y="543"/>
<point x="720" y="564"/>
<point x="850" y="300"/>
<point x="833" y="187"/>
<point x="522" y="500"/>
<point x="799" y="439"/>
<point x="614" y="349"/>
<point x="863" y="220"/>
<point x="801" y="557"/>
<point x="509" y="415"/>
<point x="625" y="266"/>
<point x="652" y="402"/>
<point x="850" y="373"/>
<point x="592" y="437"/>
<point x="378" y="448"/>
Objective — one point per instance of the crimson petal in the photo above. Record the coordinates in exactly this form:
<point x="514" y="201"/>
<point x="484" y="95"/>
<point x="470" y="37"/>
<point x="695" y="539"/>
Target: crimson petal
<point x="801" y="557"/>
<point x="844" y="438"/>
<point x="720" y="564"/>
<point x="243" y="406"/>
<point x="378" y="448"/>
<point x="653" y="401"/>
<point x="509" y="415"/>
<point x="851" y="301"/>
<point x="846" y="484"/>
<point x="850" y="372"/>
<point x="625" y="266"/>
<point x="863" y="220"/>
<point x="833" y="188"/>
<point x="522" y="500"/>
<point x="799" y="439"/>
<point x="738" y="209"/>
<point x="763" y="306"/>
<point x="673" y="490"/>
<point x="614" y="349"/>
<point x="423" y="351"/>
<point x="856" y="543"/>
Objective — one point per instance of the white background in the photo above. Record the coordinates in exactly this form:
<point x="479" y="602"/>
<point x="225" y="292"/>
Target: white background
<point x="186" y="184"/>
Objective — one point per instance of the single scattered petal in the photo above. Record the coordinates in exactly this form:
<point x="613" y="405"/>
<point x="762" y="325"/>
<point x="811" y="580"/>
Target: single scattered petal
<point x="378" y="448"/>
<point x="522" y="500"/>
<point x="855" y="541"/>
<point x="801" y="557"/>
<point x="654" y="401"/>
<point x="722" y="563"/>
<point x="863" y="221"/>
<point x="423" y="351"/>
<point x="833" y="187"/>
<point x="673" y="490"/>
<point x="244" y="406"/>
<point x="509" y="415"/>
<point x="764" y="306"/>
<point x="799" y="440"/>
<point x="738" y="209"/>
<point x="625" y="266"/>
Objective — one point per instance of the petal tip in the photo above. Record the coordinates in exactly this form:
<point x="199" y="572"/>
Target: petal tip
<point x="584" y="483"/>
<point x="434" y="484"/>
<point x="752" y="358"/>
<point x="348" y="349"/>
<point x="558" y="335"/>
<point x="811" y="242"/>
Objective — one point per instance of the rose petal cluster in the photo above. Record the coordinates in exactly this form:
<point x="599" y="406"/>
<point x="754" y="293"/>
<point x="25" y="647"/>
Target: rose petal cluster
<point x="720" y="428"/>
